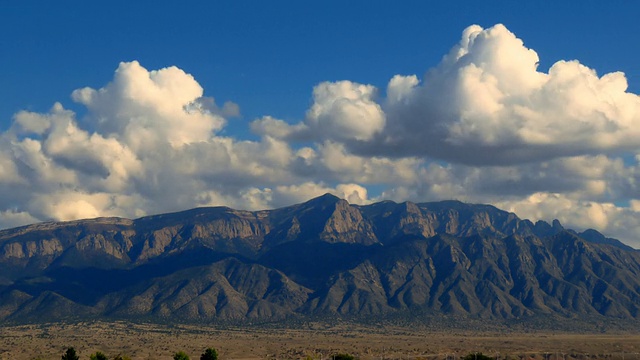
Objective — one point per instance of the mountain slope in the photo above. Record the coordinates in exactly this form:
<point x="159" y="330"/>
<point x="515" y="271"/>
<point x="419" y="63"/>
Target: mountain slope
<point x="320" y="258"/>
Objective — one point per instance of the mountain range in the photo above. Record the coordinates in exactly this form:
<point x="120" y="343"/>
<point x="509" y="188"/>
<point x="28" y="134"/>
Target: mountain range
<point x="323" y="258"/>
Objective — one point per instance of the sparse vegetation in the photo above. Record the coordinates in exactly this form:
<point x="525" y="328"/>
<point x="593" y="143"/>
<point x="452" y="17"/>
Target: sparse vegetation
<point x="180" y="355"/>
<point x="209" y="354"/>
<point x="477" y="356"/>
<point x="344" y="356"/>
<point x="98" y="356"/>
<point x="70" y="354"/>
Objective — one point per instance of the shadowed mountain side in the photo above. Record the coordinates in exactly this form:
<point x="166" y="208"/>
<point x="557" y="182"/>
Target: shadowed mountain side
<point x="226" y="290"/>
<point x="312" y="263"/>
<point x="87" y="285"/>
<point x="488" y="277"/>
<point x="320" y="258"/>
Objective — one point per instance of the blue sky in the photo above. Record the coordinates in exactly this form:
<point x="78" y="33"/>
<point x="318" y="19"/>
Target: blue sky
<point x="312" y="107"/>
<point x="266" y="56"/>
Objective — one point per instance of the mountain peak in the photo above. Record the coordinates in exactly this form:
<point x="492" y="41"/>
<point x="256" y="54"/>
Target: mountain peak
<point x="596" y="237"/>
<point x="323" y="201"/>
<point x="556" y="225"/>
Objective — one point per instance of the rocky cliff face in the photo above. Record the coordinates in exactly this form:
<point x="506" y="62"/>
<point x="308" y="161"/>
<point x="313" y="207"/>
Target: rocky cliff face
<point x="320" y="258"/>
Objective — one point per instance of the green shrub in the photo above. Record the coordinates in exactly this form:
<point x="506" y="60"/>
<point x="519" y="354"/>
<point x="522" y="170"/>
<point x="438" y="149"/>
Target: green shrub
<point x="477" y="356"/>
<point x="180" y="355"/>
<point x="209" y="354"/>
<point x="70" y="354"/>
<point x="98" y="356"/>
<point x="343" y="357"/>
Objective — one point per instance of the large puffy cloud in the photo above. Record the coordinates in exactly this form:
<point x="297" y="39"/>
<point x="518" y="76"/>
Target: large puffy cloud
<point x="484" y="125"/>
<point x="486" y="103"/>
<point x="142" y="108"/>
<point x="344" y="111"/>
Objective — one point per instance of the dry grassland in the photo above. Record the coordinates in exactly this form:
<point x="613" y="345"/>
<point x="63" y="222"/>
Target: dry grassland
<point x="315" y="341"/>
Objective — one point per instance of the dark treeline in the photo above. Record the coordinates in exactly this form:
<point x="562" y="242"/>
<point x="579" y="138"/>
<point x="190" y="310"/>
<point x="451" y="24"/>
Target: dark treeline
<point x="212" y="354"/>
<point x="70" y="354"/>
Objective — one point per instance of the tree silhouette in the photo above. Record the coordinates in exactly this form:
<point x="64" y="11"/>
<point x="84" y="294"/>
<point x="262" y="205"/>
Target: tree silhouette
<point x="70" y="354"/>
<point x="342" y="357"/>
<point x="98" y="356"/>
<point x="209" y="354"/>
<point x="180" y="355"/>
<point x="477" y="356"/>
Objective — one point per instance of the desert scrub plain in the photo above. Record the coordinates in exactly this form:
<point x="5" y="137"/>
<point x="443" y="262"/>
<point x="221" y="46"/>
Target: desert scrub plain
<point x="312" y="341"/>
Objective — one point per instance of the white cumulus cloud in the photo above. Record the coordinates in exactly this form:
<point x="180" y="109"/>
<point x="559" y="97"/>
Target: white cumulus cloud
<point x="342" y="110"/>
<point x="487" y="103"/>
<point x="142" y="108"/>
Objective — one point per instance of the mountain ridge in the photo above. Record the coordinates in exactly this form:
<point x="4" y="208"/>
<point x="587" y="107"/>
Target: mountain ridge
<point x="323" y="257"/>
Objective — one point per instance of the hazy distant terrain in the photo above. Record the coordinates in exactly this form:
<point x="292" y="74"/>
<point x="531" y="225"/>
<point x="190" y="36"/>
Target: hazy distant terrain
<point x="406" y="263"/>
